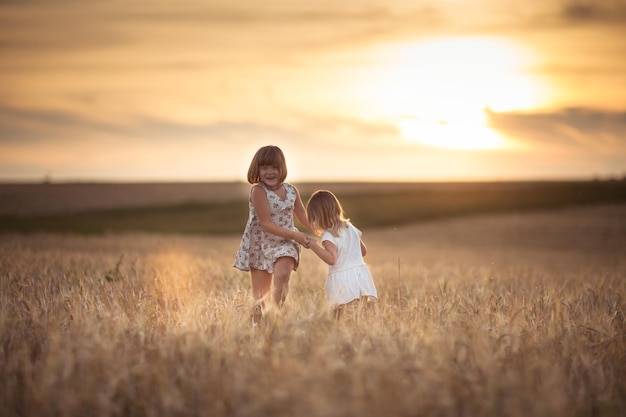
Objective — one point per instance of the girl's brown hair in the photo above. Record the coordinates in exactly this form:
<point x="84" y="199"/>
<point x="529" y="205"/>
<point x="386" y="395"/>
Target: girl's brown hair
<point x="267" y="156"/>
<point x="325" y="212"/>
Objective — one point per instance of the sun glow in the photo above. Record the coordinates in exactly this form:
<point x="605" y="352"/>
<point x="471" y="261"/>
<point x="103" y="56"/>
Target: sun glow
<point x="458" y="134"/>
<point x="437" y="92"/>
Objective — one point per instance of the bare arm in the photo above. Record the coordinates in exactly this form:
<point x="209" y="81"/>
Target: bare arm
<point x="327" y="252"/>
<point x="262" y="208"/>
<point x="363" y="249"/>
<point x="300" y="212"/>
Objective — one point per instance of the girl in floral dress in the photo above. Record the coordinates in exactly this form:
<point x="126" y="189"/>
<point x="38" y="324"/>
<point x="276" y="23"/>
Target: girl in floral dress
<point x="270" y="246"/>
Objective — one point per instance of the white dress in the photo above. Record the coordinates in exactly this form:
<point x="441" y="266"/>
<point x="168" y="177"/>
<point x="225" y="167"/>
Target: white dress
<point x="350" y="278"/>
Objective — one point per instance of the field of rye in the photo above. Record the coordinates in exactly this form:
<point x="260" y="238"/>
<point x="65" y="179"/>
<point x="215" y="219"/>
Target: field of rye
<point x="517" y="314"/>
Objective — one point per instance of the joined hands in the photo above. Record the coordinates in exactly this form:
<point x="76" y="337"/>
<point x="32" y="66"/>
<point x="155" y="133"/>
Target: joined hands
<point x="307" y="242"/>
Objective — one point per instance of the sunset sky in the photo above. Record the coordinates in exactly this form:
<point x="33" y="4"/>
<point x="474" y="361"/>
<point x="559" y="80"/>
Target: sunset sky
<point x="354" y="90"/>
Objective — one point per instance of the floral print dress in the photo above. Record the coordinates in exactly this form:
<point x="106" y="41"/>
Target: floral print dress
<point x="259" y="249"/>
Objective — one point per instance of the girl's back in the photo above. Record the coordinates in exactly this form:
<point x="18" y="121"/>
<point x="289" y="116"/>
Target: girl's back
<point x="348" y="245"/>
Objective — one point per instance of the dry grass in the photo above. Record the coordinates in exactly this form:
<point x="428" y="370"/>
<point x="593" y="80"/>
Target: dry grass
<point x="513" y="315"/>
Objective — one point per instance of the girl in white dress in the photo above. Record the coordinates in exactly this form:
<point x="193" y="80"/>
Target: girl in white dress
<point x="270" y="246"/>
<point x="349" y="279"/>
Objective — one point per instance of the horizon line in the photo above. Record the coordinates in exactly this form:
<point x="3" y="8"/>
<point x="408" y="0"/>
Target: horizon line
<point x="49" y="181"/>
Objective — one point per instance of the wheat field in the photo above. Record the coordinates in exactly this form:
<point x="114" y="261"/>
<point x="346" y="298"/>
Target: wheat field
<point x="500" y="315"/>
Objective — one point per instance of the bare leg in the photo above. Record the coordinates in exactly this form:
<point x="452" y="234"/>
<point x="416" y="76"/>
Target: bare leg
<point x="261" y="284"/>
<point x="370" y="302"/>
<point x="282" y="273"/>
<point x="355" y="307"/>
<point x="338" y="311"/>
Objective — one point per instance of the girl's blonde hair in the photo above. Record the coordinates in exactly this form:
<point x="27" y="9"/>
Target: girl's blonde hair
<point x="267" y="156"/>
<point x="325" y="213"/>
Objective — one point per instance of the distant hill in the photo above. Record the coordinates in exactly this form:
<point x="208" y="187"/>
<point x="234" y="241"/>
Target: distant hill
<point x="221" y="208"/>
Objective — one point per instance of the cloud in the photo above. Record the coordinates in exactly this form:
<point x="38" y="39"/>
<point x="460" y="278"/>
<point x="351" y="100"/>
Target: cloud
<point x="248" y="24"/>
<point x="34" y="127"/>
<point x="597" y="11"/>
<point x="121" y="78"/>
<point x="571" y="129"/>
<point x="70" y="146"/>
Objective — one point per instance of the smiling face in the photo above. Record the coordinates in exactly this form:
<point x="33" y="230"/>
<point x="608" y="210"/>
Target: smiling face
<point x="270" y="175"/>
<point x="268" y="161"/>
